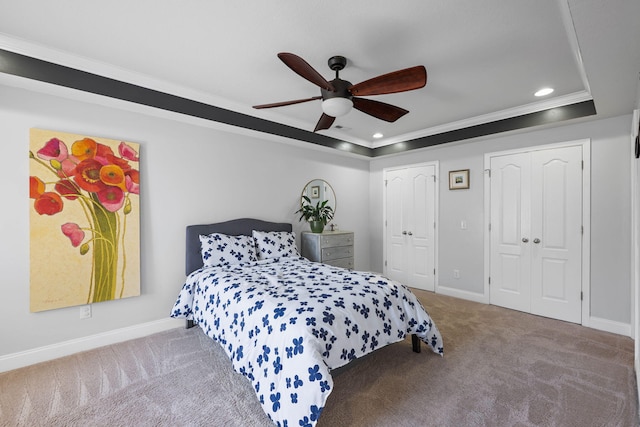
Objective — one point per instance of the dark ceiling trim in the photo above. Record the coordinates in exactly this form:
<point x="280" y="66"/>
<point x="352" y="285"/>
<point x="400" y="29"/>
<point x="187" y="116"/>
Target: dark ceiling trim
<point x="37" y="69"/>
<point x="552" y="115"/>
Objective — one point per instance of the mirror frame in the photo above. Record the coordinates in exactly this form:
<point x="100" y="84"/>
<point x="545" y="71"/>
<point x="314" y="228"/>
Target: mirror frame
<point x="333" y="192"/>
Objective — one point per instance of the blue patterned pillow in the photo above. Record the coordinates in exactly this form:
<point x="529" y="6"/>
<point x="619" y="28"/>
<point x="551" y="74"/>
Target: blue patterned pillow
<point x="219" y="249"/>
<point x="272" y="244"/>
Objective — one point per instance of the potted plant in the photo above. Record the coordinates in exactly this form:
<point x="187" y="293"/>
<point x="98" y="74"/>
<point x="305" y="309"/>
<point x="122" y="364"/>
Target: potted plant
<point x="317" y="215"/>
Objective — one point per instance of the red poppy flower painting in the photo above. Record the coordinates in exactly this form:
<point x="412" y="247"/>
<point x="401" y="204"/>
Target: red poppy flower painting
<point x="85" y="215"/>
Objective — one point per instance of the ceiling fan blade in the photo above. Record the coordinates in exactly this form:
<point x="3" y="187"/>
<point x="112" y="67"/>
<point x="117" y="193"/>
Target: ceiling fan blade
<point x="379" y="110"/>
<point x="325" y="122"/>
<point x="282" y="104"/>
<point x="303" y="69"/>
<point x="397" y="81"/>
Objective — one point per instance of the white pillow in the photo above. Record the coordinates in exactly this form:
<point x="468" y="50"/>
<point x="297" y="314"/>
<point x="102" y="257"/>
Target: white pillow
<point x="272" y="244"/>
<point x="219" y="249"/>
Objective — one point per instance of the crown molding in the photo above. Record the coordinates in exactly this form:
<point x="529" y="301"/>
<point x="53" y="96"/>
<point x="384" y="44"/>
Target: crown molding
<point x="559" y="101"/>
<point x="42" y="64"/>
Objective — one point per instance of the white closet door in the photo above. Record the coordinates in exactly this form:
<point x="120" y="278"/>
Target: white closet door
<point x="410" y="226"/>
<point x="556" y="250"/>
<point x="510" y="232"/>
<point x="396" y="259"/>
<point x="421" y="227"/>
<point x="536" y="232"/>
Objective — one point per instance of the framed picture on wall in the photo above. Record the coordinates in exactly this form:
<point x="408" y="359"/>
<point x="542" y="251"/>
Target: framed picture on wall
<point x="459" y="180"/>
<point x="315" y="191"/>
<point x="86" y="216"/>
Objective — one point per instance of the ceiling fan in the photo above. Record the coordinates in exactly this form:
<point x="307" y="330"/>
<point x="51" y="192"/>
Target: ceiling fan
<point x="339" y="96"/>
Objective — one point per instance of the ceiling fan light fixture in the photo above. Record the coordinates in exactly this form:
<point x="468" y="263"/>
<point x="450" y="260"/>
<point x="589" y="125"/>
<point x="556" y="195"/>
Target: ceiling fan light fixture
<point x="336" y="107"/>
<point x="339" y="96"/>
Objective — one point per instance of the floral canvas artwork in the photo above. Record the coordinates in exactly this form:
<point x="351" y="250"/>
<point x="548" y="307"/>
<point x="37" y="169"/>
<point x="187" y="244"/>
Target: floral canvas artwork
<point x="84" y="219"/>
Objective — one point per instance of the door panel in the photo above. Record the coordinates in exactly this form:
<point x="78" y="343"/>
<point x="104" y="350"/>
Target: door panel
<point x="420" y="268"/>
<point x="396" y="268"/>
<point x="556" y="261"/>
<point x="510" y="274"/>
<point x="420" y="225"/>
<point x="551" y="270"/>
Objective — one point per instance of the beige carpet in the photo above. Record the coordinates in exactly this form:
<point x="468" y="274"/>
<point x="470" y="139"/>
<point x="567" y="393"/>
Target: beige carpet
<point x="501" y="368"/>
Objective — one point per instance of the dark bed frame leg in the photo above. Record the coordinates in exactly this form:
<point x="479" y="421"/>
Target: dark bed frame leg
<point x="189" y="324"/>
<point x="415" y="342"/>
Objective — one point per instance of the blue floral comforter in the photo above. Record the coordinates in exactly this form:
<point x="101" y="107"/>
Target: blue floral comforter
<point x="286" y="322"/>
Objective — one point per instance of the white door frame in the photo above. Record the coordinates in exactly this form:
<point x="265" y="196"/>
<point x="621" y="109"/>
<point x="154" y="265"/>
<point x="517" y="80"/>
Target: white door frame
<point x="436" y="165"/>
<point x="586" y="216"/>
<point x="635" y="247"/>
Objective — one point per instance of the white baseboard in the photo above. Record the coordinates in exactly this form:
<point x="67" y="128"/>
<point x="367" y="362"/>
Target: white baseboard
<point x="592" y="322"/>
<point x="609" y="326"/>
<point x="66" y="348"/>
<point x="458" y="293"/>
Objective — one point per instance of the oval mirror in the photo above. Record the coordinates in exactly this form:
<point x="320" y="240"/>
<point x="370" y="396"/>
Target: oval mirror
<point x="319" y="190"/>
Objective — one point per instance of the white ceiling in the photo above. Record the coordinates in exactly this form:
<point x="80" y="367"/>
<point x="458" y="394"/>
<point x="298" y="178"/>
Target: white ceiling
<point x="484" y="59"/>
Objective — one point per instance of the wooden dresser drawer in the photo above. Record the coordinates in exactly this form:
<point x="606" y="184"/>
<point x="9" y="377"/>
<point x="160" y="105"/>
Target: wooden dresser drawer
<point x="337" y="252"/>
<point x="330" y="240"/>
<point x="331" y="247"/>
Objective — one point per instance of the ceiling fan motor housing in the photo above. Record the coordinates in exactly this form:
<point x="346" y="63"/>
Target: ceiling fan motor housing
<point x="341" y="87"/>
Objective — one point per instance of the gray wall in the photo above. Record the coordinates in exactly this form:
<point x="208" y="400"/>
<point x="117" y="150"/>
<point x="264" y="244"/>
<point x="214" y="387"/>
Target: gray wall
<point x="211" y="175"/>
<point x="463" y="249"/>
<point x="190" y="174"/>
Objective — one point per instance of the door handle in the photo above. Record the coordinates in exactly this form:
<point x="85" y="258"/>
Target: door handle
<point x="525" y="240"/>
<point x="536" y="240"/>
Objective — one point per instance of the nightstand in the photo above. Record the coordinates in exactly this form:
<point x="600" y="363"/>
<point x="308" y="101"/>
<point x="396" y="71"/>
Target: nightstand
<point x="330" y="247"/>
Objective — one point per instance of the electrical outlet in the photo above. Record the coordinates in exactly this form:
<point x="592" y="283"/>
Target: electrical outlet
<point x="456" y="274"/>
<point x="85" y="311"/>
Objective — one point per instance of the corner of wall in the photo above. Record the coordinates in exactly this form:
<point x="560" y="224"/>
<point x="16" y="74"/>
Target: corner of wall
<point x="462" y="294"/>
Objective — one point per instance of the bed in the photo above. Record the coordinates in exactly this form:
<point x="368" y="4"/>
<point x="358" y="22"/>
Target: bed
<point x="286" y="322"/>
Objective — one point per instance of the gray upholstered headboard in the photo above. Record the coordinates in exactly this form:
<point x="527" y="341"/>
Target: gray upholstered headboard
<point x="234" y="227"/>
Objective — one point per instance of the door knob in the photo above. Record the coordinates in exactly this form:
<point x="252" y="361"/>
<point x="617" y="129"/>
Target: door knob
<point x="525" y="240"/>
<point x="410" y="233"/>
<point x="404" y="233"/>
<point x="536" y="240"/>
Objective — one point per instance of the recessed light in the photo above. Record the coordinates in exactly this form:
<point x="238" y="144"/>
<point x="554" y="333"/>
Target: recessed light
<point x="377" y="135"/>
<point x="544" y="91"/>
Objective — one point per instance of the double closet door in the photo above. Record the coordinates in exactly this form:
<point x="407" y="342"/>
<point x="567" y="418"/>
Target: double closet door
<point x="536" y="232"/>
<point x="410" y="208"/>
